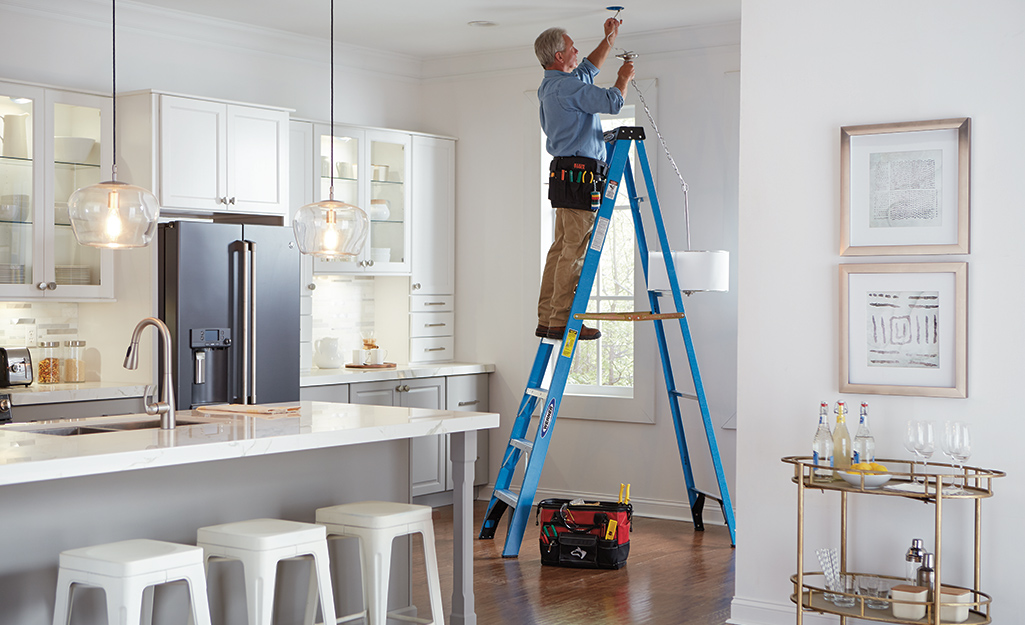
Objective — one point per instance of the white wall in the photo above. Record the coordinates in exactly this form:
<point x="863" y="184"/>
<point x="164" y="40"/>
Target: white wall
<point x="808" y="68"/>
<point x="491" y="106"/>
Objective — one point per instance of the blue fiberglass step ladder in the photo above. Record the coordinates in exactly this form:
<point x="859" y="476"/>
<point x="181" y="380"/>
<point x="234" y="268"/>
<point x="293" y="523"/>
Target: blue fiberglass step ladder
<point x="503" y="497"/>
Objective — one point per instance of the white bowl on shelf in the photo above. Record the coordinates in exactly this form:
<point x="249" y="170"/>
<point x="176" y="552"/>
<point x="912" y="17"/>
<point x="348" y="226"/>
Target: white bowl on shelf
<point x="872" y="480"/>
<point x="72" y="149"/>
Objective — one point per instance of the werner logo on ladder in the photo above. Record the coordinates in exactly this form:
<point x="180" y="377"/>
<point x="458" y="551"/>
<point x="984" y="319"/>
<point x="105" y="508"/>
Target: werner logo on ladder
<point x="620" y="141"/>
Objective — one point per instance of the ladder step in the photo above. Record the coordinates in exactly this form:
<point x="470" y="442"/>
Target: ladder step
<point x="552" y="341"/>
<point x="629" y="316"/>
<point x="683" y="395"/>
<point x="522" y="443"/>
<point x="538" y="392"/>
<point x="507" y="496"/>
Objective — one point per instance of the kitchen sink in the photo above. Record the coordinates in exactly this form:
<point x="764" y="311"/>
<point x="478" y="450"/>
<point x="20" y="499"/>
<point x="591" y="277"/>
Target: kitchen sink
<point x="99" y="425"/>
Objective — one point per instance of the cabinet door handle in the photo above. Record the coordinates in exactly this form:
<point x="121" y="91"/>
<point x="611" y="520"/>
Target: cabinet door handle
<point x="41" y="286"/>
<point x="434" y="303"/>
<point x="469" y="403"/>
<point x="435" y="349"/>
<point x="232" y="201"/>
<point x="404" y="388"/>
<point x="51" y="286"/>
<point x="416" y="286"/>
<point x="434" y="325"/>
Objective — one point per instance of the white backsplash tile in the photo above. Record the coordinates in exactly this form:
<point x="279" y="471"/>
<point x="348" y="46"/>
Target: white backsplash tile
<point x="343" y="308"/>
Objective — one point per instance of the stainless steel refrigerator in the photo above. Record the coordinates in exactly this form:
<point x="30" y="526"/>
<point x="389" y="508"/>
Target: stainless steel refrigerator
<point x="229" y="293"/>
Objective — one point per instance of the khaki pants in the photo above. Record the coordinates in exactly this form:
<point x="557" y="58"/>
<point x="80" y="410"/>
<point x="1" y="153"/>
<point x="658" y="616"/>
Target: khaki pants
<point x="563" y="264"/>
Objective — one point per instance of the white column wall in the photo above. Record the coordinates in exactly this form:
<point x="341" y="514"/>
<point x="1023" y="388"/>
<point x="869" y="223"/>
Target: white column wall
<point x="808" y="68"/>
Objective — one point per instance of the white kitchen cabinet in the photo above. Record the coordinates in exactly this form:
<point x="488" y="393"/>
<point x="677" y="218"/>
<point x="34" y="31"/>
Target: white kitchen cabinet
<point x="300" y="190"/>
<point x="432" y="280"/>
<point x="434" y="192"/>
<point x="470" y="393"/>
<point x="370" y="169"/>
<point x="207" y="156"/>
<point x="53" y="142"/>
<point x="428" y="455"/>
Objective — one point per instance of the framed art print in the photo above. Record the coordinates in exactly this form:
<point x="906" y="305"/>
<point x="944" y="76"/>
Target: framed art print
<point x="904" y="188"/>
<point x="903" y="329"/>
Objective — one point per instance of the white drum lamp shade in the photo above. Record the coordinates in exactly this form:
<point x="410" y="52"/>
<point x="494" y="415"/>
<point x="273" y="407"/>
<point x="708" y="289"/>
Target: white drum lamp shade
<point x="697" y="270"/>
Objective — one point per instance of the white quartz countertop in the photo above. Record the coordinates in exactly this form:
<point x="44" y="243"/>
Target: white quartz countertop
<point x="36" y="393"/>
<point x="33" y="457"/>
<point x="325" y="377"/>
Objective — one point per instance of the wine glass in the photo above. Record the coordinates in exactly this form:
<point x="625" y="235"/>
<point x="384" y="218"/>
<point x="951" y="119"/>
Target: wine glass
<point x="957" y="443"/>
<point x="918" y="439"/>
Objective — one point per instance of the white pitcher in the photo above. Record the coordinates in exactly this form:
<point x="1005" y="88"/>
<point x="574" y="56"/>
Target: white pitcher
<point x="328" y="353"/>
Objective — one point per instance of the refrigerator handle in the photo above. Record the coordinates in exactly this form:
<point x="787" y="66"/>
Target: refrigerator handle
<point x="252" y="323"/>
<point x="247" y="295"/>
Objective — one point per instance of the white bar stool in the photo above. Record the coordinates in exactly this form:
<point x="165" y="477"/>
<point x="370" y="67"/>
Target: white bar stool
<point x="127" y="571"/>
<point x="377" y="524"/>
<point x="260" y="544"/>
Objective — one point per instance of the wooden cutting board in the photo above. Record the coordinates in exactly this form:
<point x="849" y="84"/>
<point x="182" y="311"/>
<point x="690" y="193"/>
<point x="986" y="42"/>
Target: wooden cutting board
<point x="251" y="409"/>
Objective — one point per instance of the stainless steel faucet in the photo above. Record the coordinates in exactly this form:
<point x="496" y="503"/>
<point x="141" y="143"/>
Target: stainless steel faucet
<point x="164" y="405"/>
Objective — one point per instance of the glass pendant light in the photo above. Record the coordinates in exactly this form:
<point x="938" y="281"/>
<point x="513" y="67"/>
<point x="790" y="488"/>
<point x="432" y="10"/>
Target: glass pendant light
<point x="330" y="229"/>
<point x="113" y="214"/>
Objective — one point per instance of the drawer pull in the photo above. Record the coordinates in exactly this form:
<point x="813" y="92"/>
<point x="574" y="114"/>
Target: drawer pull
<point x="434" y="303"/>
<point x="434" y="325"/>
<point x="435" y="349"/>
<point x="469" y="403"/>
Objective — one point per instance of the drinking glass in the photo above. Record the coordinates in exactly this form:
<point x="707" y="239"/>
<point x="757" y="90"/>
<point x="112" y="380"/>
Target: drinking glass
<point x="957" y="443"/>
<point x="910" y="440"/>
<point x="925" y="444"/>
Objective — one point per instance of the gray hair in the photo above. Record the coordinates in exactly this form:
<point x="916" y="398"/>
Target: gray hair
<point x="548" y="43"/>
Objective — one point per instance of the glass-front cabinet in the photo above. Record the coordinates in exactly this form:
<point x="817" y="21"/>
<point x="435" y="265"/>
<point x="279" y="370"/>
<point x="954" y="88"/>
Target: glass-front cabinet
<point x="369" y="169"/>
<point x="53" y="142"/>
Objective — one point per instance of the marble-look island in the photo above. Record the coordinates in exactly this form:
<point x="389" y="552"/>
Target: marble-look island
<point x="75" y="487"/>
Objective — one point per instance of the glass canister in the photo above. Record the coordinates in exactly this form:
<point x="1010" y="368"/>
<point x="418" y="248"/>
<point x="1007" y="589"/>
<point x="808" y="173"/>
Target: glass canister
<point x="49" y="367"/>
<point x="74" y="362"/>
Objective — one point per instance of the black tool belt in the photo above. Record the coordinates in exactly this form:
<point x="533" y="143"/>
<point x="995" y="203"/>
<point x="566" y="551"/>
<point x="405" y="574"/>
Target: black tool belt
<point x="576" y="182"/>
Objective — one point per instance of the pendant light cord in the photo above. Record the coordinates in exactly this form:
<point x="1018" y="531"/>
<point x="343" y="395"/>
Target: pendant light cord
<point x="113" y="84"/>
<point x="330" y="171"/>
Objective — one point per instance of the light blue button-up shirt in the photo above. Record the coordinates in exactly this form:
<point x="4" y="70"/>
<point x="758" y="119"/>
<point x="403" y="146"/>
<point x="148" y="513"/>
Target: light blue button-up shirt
<point x="570" y="103"/>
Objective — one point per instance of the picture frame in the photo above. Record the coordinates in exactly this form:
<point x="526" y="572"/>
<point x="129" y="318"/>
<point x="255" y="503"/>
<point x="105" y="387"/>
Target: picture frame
<point x="904" y="329"/>
<point x="904" y="188"/>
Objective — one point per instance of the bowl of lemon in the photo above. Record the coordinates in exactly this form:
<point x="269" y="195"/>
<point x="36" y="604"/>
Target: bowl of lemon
<point x="874" y="474"/>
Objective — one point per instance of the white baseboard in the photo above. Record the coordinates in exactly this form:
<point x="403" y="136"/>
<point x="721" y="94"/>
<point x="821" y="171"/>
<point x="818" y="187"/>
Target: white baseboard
<point x="754" y="612"/>
<point x="650" y="508"/>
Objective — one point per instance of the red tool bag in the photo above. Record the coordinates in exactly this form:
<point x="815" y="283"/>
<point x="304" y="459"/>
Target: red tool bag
<point x="586" y="535"/>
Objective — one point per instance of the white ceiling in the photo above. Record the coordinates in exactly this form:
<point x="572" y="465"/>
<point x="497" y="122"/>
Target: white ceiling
<point x="424" y="29"/>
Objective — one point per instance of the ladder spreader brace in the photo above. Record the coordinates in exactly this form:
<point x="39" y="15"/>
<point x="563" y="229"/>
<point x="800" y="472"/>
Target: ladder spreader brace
<point x="503" y="497"/>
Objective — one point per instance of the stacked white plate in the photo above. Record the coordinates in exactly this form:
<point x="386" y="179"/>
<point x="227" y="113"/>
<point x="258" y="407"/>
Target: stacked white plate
<point x="12" y="274"/>
<point x="73" y="274"/>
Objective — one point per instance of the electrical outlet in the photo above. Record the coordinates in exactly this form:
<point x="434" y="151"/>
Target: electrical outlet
<point x="30" y="336"/>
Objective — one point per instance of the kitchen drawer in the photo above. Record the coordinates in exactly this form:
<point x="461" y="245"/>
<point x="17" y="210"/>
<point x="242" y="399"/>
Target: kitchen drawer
<point x="431" y="324"/>
<point x="431" y="349"/>
<point x="431" y="303"/>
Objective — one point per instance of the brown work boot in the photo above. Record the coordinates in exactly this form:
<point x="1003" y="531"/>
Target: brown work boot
<point x="586" y="333"/>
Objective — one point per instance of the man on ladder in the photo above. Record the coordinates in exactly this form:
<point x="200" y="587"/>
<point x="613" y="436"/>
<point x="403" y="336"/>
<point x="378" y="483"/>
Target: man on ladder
<point x="570" y="104"/>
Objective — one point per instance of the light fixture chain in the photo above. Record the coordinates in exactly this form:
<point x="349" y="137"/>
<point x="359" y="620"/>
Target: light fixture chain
<point x="683" y="183"/>
<point x="113" y="86"/>
<point x="331" y="165"/>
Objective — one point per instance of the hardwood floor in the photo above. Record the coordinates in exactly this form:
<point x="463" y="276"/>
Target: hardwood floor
<point x="674" y="576"/>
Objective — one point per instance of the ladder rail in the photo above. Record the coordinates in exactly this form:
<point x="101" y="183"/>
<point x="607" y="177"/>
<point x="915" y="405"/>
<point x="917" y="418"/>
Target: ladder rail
<point x="699" y="388"/>
<point x="663" y="351"/>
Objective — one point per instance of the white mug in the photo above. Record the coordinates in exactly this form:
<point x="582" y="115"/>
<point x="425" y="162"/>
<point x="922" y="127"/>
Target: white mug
<point x="360" y="356"/>
<point x="375" y="356"/>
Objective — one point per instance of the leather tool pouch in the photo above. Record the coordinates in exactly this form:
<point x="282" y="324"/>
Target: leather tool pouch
<point x="576" y="182"/>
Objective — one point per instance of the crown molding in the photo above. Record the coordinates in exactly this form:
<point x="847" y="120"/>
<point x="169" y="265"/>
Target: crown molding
<point x="192" y="29"/>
